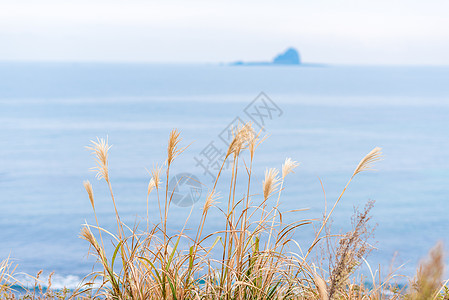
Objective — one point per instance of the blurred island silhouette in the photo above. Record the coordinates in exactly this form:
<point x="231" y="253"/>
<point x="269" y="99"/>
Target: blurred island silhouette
<point x="288" y="57"/>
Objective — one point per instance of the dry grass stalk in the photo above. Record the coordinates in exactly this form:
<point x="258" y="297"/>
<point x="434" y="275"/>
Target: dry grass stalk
<point x="155" y="182"/>
<point x="90" y="193"/>
<point x="173" y="151"/>
<point x="352" y="247"/>
<point x="151" y="186"/>
<point x="365" y="164"/>
<point x="287" y="167"/>
<point x="100" y="149"/>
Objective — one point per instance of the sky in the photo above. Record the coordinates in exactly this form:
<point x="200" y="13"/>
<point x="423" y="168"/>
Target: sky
<point x="198" y="31"/>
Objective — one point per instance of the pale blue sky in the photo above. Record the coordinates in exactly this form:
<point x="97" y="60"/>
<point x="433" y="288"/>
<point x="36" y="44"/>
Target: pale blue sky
<point x="327" y="31"/>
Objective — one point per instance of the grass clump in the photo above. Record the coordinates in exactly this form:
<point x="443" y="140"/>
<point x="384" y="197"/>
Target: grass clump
<point x="6" y="277"/>
<point x="253" y="256"/>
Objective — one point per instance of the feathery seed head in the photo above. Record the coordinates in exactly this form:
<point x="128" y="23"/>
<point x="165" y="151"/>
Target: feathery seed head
<point x="242" y="135"/>
<point x="100" y="149"/>
<point x="254" y="141"/>
<point x="87" y="235"/>
<point x="90" y="192"/>
<point x="172" y="150"/>
<point x="151" y="186"/>
<point x="210" y="201"/>
<point x="271" y="182"/>
<point x="367" y="162"/>
<point x="156" y="175"/>
<point x="288" y="167"/>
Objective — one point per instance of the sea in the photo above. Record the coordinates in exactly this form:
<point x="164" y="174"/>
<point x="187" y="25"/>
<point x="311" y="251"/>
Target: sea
<point x="326" y="117"/>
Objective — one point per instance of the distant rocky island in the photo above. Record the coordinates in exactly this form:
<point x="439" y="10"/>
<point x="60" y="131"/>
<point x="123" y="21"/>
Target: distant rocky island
<point x="288" y="57"/>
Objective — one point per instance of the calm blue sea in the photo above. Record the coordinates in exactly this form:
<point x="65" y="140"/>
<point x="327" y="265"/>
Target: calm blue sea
<point x="327" y="118"/>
